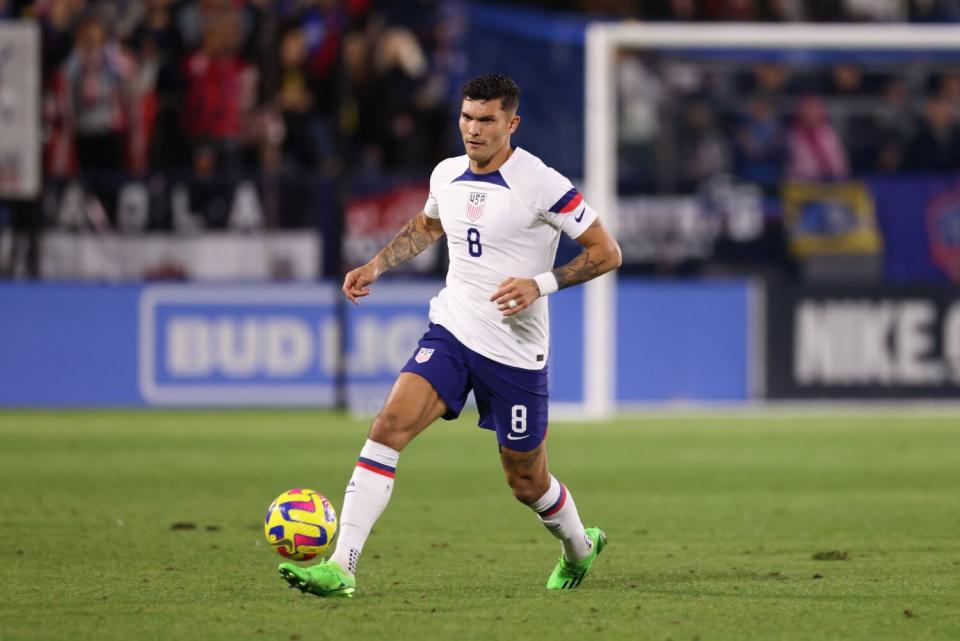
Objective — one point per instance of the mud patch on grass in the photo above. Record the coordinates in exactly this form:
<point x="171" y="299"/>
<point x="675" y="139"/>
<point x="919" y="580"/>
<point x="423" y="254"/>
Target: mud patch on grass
<point x="832" y="555"/>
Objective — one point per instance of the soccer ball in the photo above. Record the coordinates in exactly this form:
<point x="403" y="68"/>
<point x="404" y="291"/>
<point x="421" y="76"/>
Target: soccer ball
<point x="300" y="524"/>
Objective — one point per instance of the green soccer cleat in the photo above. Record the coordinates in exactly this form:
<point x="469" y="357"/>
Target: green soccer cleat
<point x="326" y="578"/>
<point x="568" y="575"/>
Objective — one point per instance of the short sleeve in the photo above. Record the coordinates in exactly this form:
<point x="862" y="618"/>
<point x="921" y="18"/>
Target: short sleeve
<point x="563" y="206"/>
<point x="431" y="208"/>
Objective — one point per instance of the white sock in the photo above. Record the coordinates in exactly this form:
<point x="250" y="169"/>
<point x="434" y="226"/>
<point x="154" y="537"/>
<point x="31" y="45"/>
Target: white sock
<point x="368" y="493"/>
<point x="558" y="513"/>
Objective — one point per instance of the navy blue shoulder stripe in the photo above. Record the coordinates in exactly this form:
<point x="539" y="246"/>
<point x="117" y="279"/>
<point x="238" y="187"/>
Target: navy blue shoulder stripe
<point x="494" y="178"/>
<point x="568" y="202"/>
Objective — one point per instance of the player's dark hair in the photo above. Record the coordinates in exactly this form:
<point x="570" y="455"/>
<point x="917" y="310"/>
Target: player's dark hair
<point x="491" y="86"/>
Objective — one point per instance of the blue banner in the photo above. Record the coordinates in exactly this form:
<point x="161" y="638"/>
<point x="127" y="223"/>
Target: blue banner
<point x="68" y="345"/>
<point x="683" y="341"/>
<point x="920" y="221"/>
<point x="279" y="345"/>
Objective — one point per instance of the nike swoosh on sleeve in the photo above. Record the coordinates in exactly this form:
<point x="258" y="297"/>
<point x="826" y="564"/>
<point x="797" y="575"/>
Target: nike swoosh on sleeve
<point x="580" y="217"/>
<point x="517" y="438"/>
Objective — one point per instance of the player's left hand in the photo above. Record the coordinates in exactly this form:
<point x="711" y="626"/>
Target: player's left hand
<point x="515" y="295"/>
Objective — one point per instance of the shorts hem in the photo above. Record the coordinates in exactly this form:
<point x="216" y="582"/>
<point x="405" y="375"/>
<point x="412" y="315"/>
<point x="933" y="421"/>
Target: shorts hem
<point x="451" y="413"/>
<point x="520" y="445"/>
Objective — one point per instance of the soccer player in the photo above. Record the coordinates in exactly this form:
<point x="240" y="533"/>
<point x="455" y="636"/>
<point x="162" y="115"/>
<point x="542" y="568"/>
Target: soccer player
<point x="502" y="210"/>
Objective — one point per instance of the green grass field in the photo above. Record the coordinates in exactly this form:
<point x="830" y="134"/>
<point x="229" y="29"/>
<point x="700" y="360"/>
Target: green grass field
<point x="713" y="526"/>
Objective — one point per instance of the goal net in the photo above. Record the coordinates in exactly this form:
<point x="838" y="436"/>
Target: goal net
<point x="681" y="111"/>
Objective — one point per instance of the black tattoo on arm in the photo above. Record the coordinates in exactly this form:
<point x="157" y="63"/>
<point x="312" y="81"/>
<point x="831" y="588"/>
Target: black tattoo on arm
<point x="412" y="239"/>
<point x="589" y="264"/>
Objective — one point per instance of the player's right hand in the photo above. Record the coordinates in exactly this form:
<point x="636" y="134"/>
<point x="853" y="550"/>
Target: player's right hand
<point x="357" y="281"/>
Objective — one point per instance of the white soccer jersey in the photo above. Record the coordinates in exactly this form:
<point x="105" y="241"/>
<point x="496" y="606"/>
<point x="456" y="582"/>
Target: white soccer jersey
<point x="501" y="224"/>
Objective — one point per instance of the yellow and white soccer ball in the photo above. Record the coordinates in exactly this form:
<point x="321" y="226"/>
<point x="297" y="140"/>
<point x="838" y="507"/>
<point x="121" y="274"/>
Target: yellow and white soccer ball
<point x="300" y="524"/>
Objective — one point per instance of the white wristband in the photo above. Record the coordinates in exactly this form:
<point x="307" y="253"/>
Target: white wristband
<point x="547" y="283"/>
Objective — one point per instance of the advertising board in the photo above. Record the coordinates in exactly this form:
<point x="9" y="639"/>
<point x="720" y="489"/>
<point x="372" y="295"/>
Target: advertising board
<point x="863" y="342"/>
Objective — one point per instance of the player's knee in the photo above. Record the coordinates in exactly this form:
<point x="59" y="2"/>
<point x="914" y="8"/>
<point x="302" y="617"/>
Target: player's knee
<point x="388" y="429"/>
<point x="525" y="489"/>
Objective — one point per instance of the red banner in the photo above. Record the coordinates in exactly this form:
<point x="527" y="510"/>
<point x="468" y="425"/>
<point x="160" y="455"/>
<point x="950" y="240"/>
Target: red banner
<point x="372" y="221"/>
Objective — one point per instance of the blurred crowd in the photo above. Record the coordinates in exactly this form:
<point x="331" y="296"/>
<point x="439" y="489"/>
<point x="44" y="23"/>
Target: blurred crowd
<point x="765" y="10"/>
<point x="222" y="85"/>
<point x="194" y="92"/>
<point x="685" y="121"/>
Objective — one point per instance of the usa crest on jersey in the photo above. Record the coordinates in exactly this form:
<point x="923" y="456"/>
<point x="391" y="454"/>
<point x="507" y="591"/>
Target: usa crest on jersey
<point x="423" y="355"/>
<point x="475" y="204"/>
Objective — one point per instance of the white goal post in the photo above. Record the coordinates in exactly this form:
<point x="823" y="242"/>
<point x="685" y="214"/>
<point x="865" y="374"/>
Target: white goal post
<point x="603" y="40"/>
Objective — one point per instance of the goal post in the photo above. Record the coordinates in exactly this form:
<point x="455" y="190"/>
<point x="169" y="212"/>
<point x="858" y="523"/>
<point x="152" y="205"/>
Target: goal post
<point x="599" y="299"/>
<point x="603" y="41"/>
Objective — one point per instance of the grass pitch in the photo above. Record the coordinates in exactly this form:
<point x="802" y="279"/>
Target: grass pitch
<point x="713" y="524"/>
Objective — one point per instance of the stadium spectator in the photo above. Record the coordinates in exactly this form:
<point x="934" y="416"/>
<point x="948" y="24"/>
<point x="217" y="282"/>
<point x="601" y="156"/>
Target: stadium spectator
<point x="321" y="24"/>
<point x="220" y="93"/>
<point x="733" y="10"/>
<point x="934" y="11"/>
<point x="815" y="151"/>
<point x="400" y="67"/>
<point x="58" y="19"/>
<point x="948" y="87"/>
<point x="760" y="143"/>
<point x="195" y="18"/>
<point x="641" y="93"/>
<point x="304" y="141"/>
<point x="446" y="64"/>
<point x="123" y="16"/>
<point x="385" y="71"/>
<point x="359" y="97"/>
<point x="824" y="11"/>
<point x="156" y="33"/>
<point x="704" y="151"/>
<point x="155" y="42"/>
<point x="770" y="79"/>
<point x="680" y="11"/>
<point x="874" y="10"/>
<point x="94" y="97"/>
<point x="845" y="79"/>
<point x="876" y="139"/>
<point x="936" y="145"/>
